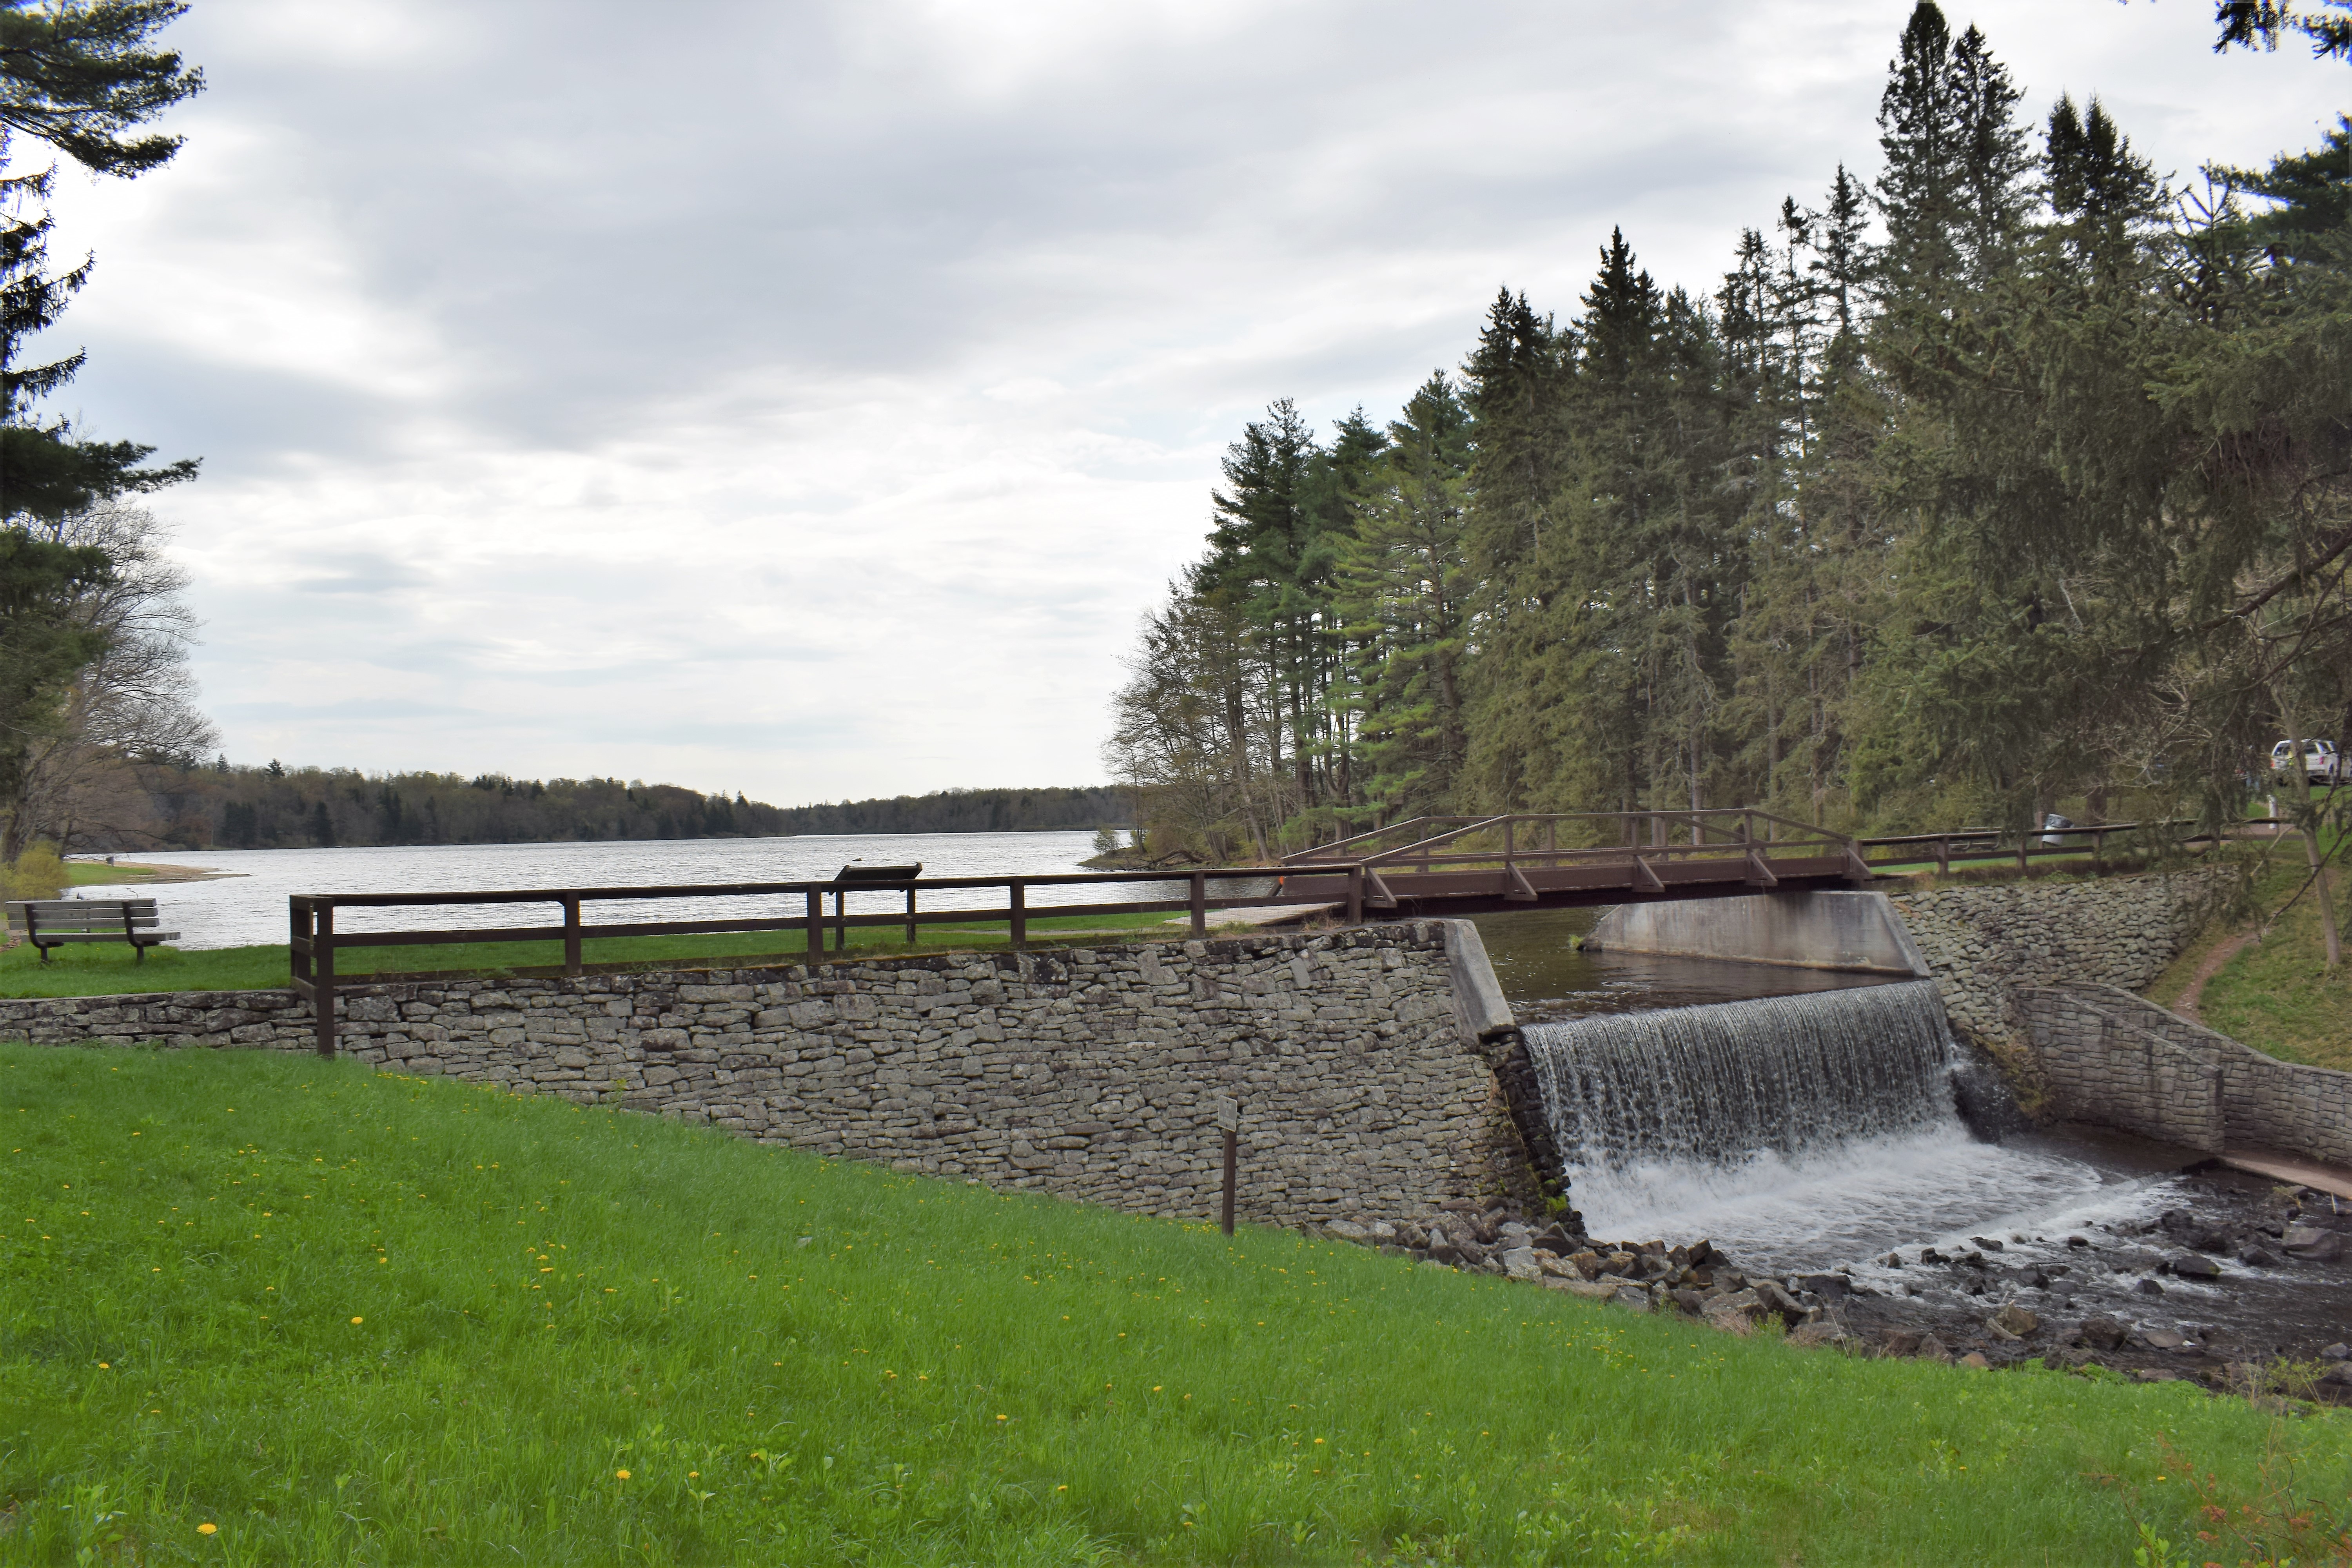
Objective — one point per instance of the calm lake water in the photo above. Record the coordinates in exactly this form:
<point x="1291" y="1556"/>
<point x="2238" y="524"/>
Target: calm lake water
<point x="250" y="907"/>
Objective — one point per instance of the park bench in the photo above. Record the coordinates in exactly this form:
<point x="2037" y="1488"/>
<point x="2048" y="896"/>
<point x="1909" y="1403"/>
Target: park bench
<point x="53" y="922"/>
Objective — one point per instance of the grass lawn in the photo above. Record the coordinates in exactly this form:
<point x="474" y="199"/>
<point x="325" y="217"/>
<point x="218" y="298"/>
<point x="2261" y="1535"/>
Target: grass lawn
<point x="2278" y="995"/>
<point x="262" y="1309"/>
<point x="98" y="969"/>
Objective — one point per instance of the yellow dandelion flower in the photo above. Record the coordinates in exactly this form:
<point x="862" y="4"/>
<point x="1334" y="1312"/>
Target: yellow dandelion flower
<point x="358" y="1320"/>
<point x="1000" y="1419"/>
<point x="207" y="1528"/>
<point x="620" y="1475"/>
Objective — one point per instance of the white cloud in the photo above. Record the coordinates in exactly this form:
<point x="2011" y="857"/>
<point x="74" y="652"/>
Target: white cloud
<point x="811" y="398"/>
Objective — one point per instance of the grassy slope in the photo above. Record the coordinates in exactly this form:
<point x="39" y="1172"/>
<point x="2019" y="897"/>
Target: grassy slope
<point x="100" y="969"/>
<point x="353" y="1318"/>
<point x="2277" y="995"/>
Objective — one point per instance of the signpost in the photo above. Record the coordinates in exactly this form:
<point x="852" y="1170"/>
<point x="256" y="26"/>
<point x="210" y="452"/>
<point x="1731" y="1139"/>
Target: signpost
<point x="1229" y="1118"/>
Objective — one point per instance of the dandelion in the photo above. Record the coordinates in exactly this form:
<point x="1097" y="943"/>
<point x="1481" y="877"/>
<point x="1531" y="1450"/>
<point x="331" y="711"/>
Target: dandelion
<point x="356" y="1319"/>
<point x="620" y="1475"/>
<point x="109" y="1366"/>
<point x="208" y="1528"/>
<point x="1000" y="1418"/>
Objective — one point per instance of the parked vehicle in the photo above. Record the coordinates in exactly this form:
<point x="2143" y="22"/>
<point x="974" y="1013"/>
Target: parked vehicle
<point x="2321" y="766"/>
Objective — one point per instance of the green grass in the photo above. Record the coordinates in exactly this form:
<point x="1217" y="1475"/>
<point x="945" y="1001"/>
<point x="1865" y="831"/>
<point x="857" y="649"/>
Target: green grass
<point x="347" y="1318"/>
<point x="97" y="969"/>
<point x="2278" y="995"/>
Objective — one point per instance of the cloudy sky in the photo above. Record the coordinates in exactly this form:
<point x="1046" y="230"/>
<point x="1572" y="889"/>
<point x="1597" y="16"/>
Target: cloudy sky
<point x="808" y="398"/>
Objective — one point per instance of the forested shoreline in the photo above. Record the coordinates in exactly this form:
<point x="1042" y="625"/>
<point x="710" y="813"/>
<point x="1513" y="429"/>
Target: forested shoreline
<point x="221" y="805"/>
<point x="2014" y="478"/>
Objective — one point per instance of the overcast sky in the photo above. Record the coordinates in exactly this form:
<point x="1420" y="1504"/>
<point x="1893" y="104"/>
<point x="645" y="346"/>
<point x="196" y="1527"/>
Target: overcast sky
<point x="808" y="399"/>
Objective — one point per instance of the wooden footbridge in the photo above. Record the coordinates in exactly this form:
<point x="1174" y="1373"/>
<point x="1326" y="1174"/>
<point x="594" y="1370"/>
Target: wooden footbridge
<point x="1466" y="865"/>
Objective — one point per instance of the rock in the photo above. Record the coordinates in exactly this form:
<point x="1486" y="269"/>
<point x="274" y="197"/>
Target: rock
<point x="2338" y="1351"/>
<point x="2213" y="1239"/>
<point x="2078" y="1241"/>
<point x="1519" y="1262"/>
<point x="1986" y="1242"/>
<point x="2015" y="1321"/>
<point x="1349" y="1230"/>
<point x="1555" y="1266"/>
<point x="2339" y="1376"/>
<point x="1933" y="1349"/>
<point x="1383" y="1233"/>
<point x="1586" y="1288"/>
<point x="1974" y="1359"/>
<point x="2102" y="1332"/>
<point x="1620" y="1262"/>
<point x="1514" y="1235"/>
<point x="2163" y="1340"/>
<point x="1553" y="1238"/>
<point x="1776" y="1300"/>
<point x="1444" y="1253"/>
<point x="1586" y="1263"/>
<point x="2313" y="1245"/>
<point x="1929" y="1254"/>
<point x="1811" y="1336"/>
<point x="1833" y="1286"/>
<point x="1892" y="1260"/>
<point x="2192" y="1265"/>
<point x="2257" y="1256"/>
<point x="1901" y="1341"/>
<point x="2148" y="1288"/>
<point x="2151" y="1375"/>
<point x="1633" y="1298"/>
<point x="1736" y="1313"/>
<point x="1691" y="1301"/>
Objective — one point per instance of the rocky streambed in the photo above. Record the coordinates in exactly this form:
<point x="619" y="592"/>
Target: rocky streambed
<point x="2234" y="1283"/>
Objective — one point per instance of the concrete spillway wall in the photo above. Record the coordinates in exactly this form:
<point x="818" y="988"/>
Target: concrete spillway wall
<point x="1848" y="930"/>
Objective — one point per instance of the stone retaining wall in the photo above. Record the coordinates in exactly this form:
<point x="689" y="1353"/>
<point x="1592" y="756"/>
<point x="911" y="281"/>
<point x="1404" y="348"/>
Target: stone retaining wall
<point x="1085" y="1072"/>
<point x="2113" y="1057"/>
<point x="1979" y="942"/>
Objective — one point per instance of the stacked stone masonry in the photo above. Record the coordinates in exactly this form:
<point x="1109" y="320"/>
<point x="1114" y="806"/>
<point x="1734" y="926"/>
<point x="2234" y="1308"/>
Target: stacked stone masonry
<point x="1089" y="1073"/>
<point x="1981" y="942"/>
<point x="2113" y="1057"/>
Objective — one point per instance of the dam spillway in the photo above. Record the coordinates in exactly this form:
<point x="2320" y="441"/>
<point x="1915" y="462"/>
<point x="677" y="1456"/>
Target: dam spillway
<point x="1810" y="1130"/>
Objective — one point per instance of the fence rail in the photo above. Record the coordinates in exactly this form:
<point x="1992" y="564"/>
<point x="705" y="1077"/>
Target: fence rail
<point x="1519" y="861"/>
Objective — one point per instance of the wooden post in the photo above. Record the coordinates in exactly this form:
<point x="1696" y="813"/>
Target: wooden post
<point x="298" y="935"/>
<point x="1200" y="906"/>
<point x="1232" y="1161"/>
<point x="1356" y="894"/>
<point x="840" y="919"/>
<point x="323" y="977"/>
<point x="571" y="902"/>
<point x="1944" y="857"/>
<point x="815" y="926"/>
<point x="910" y="914"/>
<point x="2024" y="844"/>
<point x="1020" y="907"/>
<point x="1229" y="1119"/>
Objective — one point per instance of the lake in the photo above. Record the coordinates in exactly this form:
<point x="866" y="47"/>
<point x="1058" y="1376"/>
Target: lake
<point x="249" y="906"/>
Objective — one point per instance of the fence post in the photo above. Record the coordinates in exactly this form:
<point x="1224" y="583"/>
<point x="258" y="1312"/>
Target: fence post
<point x="323" y="977"/>
<point x="1200" y="906"/>
<point x="840" y="918"/>
<point x="1356" y="894"/>
<point x="297" y="936"/>
<point x="571" y="902"/>
<point x="815" y="926"/>
<point x="1019" y="907"/>
<point x="1944" y="857"/>
<point x="910" y="914"/>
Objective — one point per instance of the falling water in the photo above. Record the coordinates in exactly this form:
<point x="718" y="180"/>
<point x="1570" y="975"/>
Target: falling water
<point x="1809" y="1130"/>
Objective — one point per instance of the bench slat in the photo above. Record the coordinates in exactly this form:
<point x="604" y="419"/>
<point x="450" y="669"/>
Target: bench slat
<point x="144" y="939"/>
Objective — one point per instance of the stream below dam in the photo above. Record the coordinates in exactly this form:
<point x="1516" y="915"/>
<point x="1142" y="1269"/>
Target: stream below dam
<point x="1807" y="1123"/>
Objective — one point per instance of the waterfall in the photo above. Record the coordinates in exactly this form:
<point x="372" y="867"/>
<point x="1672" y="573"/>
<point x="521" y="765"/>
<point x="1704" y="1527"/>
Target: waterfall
<point x="1798" y="1131"/>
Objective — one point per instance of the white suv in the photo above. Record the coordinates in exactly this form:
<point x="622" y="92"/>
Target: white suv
<point x="2321" y="766"/>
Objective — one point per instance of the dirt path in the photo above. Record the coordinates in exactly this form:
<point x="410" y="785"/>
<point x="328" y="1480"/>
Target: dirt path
<point x="2223" y="951"/>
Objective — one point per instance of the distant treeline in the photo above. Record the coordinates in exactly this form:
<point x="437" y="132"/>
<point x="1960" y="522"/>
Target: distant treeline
<point x="233" y="806"/>
<point x="968" y="811"/>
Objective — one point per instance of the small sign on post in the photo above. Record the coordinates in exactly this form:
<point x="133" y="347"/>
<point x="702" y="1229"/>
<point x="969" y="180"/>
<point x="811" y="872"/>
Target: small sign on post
<point x="1229" y="1120"/>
